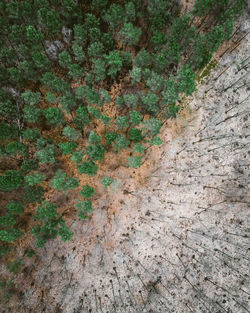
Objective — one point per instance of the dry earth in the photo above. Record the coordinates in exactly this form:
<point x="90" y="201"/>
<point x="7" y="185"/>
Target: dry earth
<point x="172" y="236"/>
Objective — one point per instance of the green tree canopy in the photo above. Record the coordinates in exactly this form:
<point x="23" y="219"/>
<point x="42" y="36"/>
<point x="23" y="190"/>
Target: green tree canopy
<point x="62" y="182"/>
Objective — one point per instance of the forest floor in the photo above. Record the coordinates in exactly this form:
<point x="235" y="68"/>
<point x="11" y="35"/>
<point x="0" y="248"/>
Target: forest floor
<point x="173" y="235"/>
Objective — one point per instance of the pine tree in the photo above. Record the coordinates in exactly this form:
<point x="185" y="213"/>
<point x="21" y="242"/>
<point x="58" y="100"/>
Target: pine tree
<point x="10" y="235"/>
<point x="134" y="162"/>
<point x="107" y="181"/>
<point x="11" y="180"/>
<point x="96" y="113"/>
<point x="46" y="155"/>
<point x="95" y="152"/>
<point x="186" y="80"/>
<point x="32" y="114"/>
<point x="156" y="141"/>
<point x="82" y="113"/>
<point x="67" y="147"/>
<point x="135" y="117"/>
<point x="33" y="35"/>
<point x="15" y="207"/>
<point x="150" y="100"/>
<point x="139" y="148"/>
<point x="70" y="133"/>
<point x="135" y="134"/>
<point x="155" y="82"/>
<point x="29" y="165"/>
<point x="30" y="134"/>
<point x="129" y="35"/>
<point x="201" y="7"/>
<point x="33" y="194"/>
<point x="77" y="156"/>
<point x="65" y="59"/>
<point x="15" y="147"/>
<point x="31" y="98"/>
<point x="95" y="50"/>
<point x="87" y="191"/>
<point x="99" y="4"/>
<point x="78" y="52"/>
<point x="84" y="207"/>
<point x="130" y="12"/>
<point x="94" y="34"/>
<point x="89" y="168"/>
<point x="110" y="137"/>
<point x="75" y="71"/>
<point x="80" y="34"/>
<point x="40" y="61"/>
<point x="114" y="16"/>
<point x="121" y="122"/>
<point x="104" y="95"/>
<point x="54" y="116"/>
<point x="114" y="63"/>
<point x="153" y="126"/>
<point x="171" y="111"/>
<point x="130" y="100"/>
<point x="62" y="182"/>
<point x="68" y="102"/>
<point x="94" y="138"/>
<point x="8" y="131"/>
<point x="135" y="75"/>
<point x="99" y="69"/>
<point x="7" y="220"/>
<point x="34" y="179"/>
<point x="126" y="58"/>
<point x="50" y="20"/>
<point x="170" y="94"/>
<point x="142" y="59"/>
<point x="121" y="142"/>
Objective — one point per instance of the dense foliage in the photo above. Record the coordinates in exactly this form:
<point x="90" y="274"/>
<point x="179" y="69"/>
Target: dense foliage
<point x="58" y="62"/>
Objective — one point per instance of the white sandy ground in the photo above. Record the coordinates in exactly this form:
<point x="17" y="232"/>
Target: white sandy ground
<point x="180" y="242"/>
